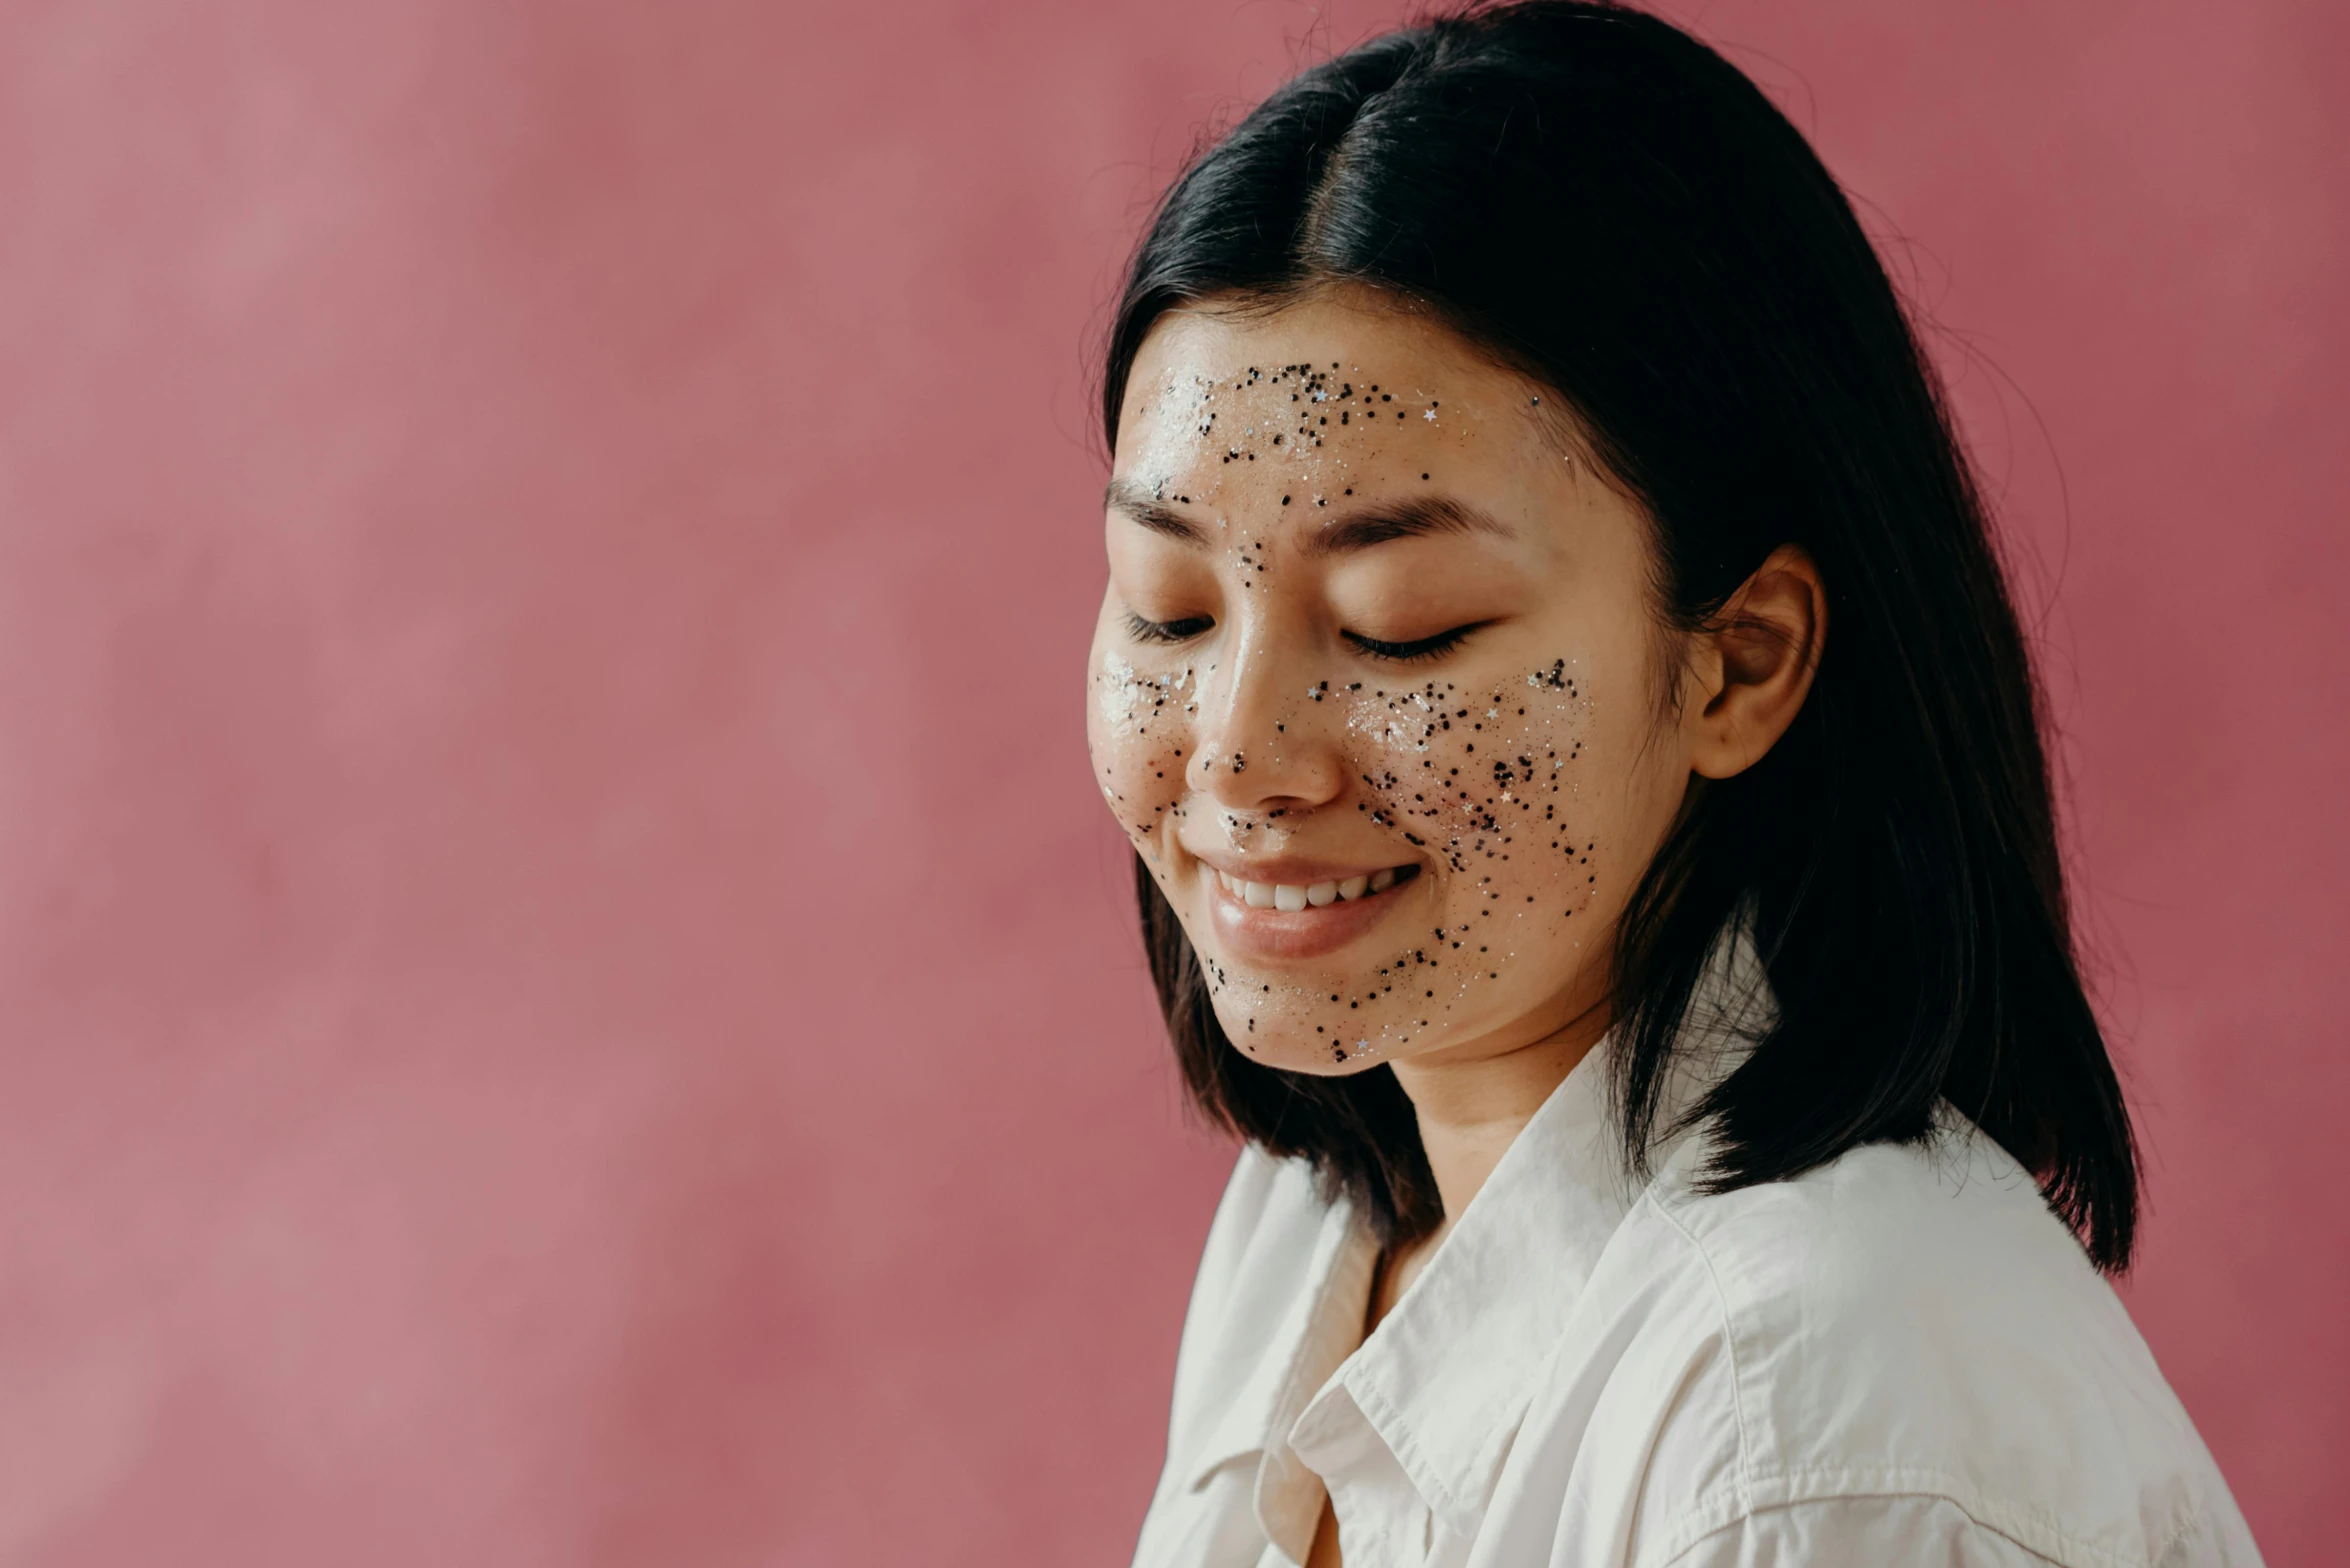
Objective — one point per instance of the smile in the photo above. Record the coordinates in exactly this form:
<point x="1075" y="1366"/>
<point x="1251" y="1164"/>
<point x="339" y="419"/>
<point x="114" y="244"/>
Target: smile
<point x="1291" y="898"/>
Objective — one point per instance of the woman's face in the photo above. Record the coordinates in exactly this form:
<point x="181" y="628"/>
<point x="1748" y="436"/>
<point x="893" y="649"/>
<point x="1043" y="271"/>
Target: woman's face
<point x="1376" y="685"/>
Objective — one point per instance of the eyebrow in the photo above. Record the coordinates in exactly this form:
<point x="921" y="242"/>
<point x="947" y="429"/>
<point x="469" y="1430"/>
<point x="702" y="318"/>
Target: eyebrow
<point x="1416" y="517"/>
<point x="1144" y="507"/>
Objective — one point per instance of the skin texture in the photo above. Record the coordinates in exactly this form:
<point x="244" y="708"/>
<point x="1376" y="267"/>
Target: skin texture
<point x="1298" y="494"/>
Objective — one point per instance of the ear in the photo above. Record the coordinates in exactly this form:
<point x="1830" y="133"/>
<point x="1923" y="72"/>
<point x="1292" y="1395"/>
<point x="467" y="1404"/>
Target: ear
<point x="1753" y="665"/>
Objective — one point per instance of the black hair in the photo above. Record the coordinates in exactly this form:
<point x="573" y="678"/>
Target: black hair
<point x="1602" y="202"/>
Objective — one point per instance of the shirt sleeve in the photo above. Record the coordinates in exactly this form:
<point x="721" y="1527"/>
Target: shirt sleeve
<point x="1915" y="1531"/>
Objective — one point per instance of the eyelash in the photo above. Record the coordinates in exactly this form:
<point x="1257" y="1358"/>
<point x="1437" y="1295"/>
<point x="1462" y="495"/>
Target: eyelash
<point x="1166" y="631"/>
<point x="1435" y="647"/>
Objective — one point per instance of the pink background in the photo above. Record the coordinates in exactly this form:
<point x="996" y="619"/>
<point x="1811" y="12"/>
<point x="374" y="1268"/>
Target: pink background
<point x="568" y="1000"/>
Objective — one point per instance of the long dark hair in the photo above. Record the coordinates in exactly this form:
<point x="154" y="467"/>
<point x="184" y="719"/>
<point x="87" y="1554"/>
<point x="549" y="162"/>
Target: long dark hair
<point x="1604" y="203"/>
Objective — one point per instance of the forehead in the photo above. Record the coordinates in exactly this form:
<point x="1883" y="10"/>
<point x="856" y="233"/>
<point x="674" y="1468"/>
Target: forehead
<point x="1319" y="398"/>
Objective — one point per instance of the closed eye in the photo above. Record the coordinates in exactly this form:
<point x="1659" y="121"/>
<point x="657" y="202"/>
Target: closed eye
<point x="1184" y="630"/>
<point x="1420" y="648"/>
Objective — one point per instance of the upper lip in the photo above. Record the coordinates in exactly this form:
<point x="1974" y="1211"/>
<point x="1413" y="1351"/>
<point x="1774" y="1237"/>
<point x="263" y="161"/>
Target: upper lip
<point x="1294" y="870"/>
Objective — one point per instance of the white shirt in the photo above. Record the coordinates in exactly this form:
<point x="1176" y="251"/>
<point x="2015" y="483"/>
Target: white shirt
<point x="1901" y="1357"/>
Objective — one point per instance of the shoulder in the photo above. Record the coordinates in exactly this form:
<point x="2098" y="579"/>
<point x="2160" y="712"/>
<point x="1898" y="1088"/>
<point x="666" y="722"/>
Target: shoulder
<point x="1909" y="1322"/>
<point x="1265" y="1250"/>
<point x="1262" y="1238"/>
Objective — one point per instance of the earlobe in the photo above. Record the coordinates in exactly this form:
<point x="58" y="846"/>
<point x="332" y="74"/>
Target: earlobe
<point x="1767" y="639"/>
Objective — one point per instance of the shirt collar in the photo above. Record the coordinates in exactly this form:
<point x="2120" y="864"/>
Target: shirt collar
<point x="1321" y="1325"/>
<point x="1447" y="1377"/>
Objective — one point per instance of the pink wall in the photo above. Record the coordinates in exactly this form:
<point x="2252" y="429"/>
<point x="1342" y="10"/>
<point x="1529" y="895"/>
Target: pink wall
<point x="567" y="998"/>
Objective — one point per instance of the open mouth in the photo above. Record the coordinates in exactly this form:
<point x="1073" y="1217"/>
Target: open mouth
<point x="1291" y="897"/>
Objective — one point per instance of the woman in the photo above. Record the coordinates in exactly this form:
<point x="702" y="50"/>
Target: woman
<point x="1594" y="844"/>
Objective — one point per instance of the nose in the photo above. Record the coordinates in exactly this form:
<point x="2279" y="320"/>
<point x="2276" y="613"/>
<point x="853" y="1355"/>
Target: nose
<point x="1268" y="736"/>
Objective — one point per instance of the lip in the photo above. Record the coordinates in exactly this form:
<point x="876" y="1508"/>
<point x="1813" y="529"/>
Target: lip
<point x="1274" y="934"/>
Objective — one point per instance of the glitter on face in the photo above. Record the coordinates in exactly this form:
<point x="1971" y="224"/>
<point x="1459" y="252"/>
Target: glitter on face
<point x="1489" y="777"/>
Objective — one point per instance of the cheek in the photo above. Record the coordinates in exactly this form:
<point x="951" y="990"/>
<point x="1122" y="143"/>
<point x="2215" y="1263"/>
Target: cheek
<point x="1138" y="728"/>
<point x="1489" y="786"/>
<point x="1491" y="781"/>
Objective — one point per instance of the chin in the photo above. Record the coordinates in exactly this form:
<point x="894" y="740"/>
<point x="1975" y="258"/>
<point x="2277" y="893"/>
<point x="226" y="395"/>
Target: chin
<point x="1291" y="1049"/>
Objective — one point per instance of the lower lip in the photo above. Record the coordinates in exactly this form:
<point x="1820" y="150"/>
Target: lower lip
<point x="1302" y="933"/>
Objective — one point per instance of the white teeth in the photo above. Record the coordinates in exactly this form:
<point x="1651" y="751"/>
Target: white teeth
<point x="1290" y="898"/>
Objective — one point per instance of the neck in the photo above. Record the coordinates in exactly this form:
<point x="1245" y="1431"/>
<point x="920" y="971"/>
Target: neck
<point x="1471" y="1110"/>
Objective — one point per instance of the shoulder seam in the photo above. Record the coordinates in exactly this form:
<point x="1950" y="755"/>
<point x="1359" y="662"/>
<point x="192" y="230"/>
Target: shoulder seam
<point x="1899" y="1483"/>
<point x="1745" y="1496"/>
<point x="1682" y="1553"/>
